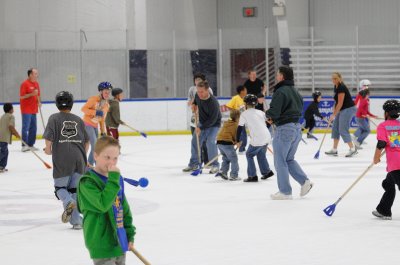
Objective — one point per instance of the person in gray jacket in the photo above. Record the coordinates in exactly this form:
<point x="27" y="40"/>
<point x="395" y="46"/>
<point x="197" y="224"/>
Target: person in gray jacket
<point x="113" y="117"/>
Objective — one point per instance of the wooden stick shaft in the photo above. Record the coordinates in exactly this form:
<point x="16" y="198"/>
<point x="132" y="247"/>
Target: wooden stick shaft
<point x="323" y="138"/>
<point x="131" y="127"/>
<point x="140" y="257"/>
<point x="33" y="151"/>
<point x="357" y="180"/>
<point x="41" y="116"/>
<point x="197" y="138"/>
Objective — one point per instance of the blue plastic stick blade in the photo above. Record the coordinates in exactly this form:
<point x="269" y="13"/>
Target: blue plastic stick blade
<point x="143" y="182"/>
<point x="143" y="134"/>
<point x="196" y="172"/>
<point x="330" y="210"/>
<point x="131" y="181"/>
<point x="316" y="155"/>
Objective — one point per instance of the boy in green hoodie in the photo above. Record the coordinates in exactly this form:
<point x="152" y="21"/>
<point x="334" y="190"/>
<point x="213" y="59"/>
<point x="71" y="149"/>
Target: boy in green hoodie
<point x="107" y="219"/>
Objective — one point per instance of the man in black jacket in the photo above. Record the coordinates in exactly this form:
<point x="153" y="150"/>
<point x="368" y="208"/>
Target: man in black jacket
<point x="284" y="113"/>
<point x="207" y="107"/>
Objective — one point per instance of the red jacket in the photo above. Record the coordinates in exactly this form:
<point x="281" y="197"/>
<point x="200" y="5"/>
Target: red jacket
<point x="363" y="109"/>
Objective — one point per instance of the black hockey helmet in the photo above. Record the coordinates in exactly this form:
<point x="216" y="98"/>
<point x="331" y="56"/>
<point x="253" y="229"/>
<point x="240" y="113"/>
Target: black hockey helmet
<point x="64" y="100"/>
<point x="316" y="94"/>
<point x="104" y="85"/>
<point x="116" y="91"/>
<point x="392" y="107"/>
<point x="250" y="99"/>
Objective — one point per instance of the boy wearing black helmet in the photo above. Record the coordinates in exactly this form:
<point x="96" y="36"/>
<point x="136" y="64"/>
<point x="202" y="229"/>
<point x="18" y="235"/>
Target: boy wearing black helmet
<point x="311" y="111"/>
<point x="255" y="121"/>
<point x="67" y="141"/>
<point x="113" y="118"/>
<point x="388" y="136"/>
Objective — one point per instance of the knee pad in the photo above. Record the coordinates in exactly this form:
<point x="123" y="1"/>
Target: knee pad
<point x="57" y="189"/>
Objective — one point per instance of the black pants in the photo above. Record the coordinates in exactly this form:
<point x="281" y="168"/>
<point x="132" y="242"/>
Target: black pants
<point x="204" y="154"/>
<point x="310" y="124"/>
<point x="389" y="185"/>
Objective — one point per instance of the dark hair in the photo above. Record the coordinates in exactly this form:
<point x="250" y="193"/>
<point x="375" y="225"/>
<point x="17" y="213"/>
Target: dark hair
<point x="260" y="95"/>
<point x="30" y="71"/>
<point x="204" y="84"/>
<point x="287" y="72"/>
<point x="199" y="75"/>
<point x="240" y="89"/>
<point x="7" y="107"/>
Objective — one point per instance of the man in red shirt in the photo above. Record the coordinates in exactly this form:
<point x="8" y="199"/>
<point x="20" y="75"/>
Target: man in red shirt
<point x="29" y="102"/>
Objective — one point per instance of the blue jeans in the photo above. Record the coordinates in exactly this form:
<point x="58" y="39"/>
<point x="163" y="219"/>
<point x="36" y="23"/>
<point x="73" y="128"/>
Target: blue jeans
<point x="207" y="135"/>
<point x="63" y="188"/>
<point x="285" y="143"/>
<point x="341" y="124"/>
<point x="261" y="153"/>
<point x="29" y="129"/>
<point x="243" y="139"/>
<point x="93" y="133"/>
<point x="363" y="129"/>
<point x="229" y="156"/>
<point x="3" y="154"/>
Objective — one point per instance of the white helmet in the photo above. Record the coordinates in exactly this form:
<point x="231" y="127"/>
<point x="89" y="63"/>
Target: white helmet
<point x="365" y="83"/>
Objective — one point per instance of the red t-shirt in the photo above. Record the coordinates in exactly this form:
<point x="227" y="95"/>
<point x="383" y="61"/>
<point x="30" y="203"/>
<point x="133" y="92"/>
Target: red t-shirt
<point x="29" y="105"/>
<point x="363" y="108"/>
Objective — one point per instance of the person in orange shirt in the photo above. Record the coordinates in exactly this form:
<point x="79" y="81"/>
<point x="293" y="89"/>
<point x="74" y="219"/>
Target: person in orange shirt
<point x="95" y="111"/>
<point x="30" y="103"/>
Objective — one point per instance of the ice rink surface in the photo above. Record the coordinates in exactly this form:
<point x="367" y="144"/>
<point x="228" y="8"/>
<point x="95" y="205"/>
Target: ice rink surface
<point x="186" y="220"/>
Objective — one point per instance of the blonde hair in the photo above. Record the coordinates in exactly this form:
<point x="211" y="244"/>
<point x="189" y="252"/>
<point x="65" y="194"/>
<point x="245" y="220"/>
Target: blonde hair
<point x="339" y="76"/>
<point x="104" y="142"/>
<point x="234" y="114"/>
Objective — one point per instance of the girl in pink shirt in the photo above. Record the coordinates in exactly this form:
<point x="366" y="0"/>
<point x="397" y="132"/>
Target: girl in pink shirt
<point x="388" y="135"/>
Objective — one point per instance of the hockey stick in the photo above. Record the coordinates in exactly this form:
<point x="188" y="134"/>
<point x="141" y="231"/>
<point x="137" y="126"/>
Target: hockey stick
<point x="200" y="170"/>
<point x="142" y="182"/>
<point x="41" y="116"/>
<point x="269" y="149"/>
<point x="304" y="141"/>
<point x="316" y="156"/>
<point x="331" y="208"/>
<point x="145" y="262"/>
<point x="141" y="133"/>
<point x="30" y="149"/>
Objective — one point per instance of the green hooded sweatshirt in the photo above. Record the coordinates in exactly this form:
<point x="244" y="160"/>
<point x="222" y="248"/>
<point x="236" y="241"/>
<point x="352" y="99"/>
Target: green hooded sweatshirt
<point x="95" y="201"/>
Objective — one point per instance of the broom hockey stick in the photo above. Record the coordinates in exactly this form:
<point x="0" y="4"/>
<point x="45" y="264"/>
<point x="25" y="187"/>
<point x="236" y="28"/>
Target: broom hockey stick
<point x="145" y="262"/>
<point x="316" y="156"/>
<point x="130" y="127"/>
<point x="331" y="208"/>
<point x="30" y="149"/>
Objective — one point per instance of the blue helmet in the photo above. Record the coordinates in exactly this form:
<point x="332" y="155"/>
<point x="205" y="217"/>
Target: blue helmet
<point x="104" y="85"/>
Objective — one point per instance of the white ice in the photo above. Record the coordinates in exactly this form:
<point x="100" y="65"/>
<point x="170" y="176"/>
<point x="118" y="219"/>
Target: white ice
<point x="188" y="220"/>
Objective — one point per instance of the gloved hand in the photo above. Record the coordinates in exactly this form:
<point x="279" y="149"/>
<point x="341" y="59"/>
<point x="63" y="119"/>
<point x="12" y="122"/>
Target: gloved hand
<point x="99" y="113"/>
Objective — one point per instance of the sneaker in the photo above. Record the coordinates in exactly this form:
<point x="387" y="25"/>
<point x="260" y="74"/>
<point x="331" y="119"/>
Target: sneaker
<point x="66" y="215"/>
<point x="270" y="174"/>
<point x="251" y="179"/>
<point x="331" y="152"/>
<point x="306" y="187"/>
<point x="222" y="175"/>
<point x="379" y="215"/>
<point x="281" y="196"/>
<point x="190" y="168"/>
<point x="351" y="152"/>
<point x="358" y="145"/>
<point x="77" y="227"/>
<point x="214" y="170"/>
<point x="234" y="178"/>
<point x="33" y="148"/>
<point x="25" y="148"/>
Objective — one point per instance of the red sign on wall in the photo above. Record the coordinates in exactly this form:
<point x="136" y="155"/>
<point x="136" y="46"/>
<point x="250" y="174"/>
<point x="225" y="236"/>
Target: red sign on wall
<point x="249" y="11"/>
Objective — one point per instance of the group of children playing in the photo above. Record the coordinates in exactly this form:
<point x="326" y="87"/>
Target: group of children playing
<point x="94" y="190"/>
